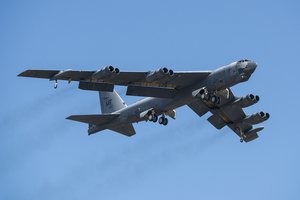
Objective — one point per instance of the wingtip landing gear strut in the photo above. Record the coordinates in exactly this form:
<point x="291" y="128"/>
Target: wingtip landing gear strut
<point x="242" y="135"/>
<point x="55" y="84"/>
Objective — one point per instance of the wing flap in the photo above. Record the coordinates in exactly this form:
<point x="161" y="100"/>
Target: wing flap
<point x="250" y="137"/>
<point x="104" y="87"/>
<point x="198" y="107"/>
<point x="151" y="91"/>
<point x="94" y="119"/>
<point x="217" y="121"/>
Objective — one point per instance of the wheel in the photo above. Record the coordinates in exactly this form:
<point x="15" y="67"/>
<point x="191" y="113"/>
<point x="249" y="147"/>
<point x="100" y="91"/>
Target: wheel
<point x="214" y="99"/>
<point x="55" y="85"/>
<point x="150" y="118"/>
<point x="161" y="120"/>
<point x="202" y="96"/>
<point x="165" y="121"/>
<point x="241" y="140"/>
<point x="154" y="118"/>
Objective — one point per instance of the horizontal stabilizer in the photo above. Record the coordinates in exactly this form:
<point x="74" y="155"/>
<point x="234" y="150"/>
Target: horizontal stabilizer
<point x="104" y="87"/>
<point x="217" y="121"/>
<point x="151" y="91"/>
<point x="94" y="119"/>
<point x="127" y="129"/>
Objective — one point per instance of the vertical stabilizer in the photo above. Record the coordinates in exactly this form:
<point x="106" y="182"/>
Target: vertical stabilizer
<point x="111" y="102"/>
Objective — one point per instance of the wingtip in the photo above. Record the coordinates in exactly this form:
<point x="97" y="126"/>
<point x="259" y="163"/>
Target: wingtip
<point x="23" y="74"/>
<point x="70" y="117"/>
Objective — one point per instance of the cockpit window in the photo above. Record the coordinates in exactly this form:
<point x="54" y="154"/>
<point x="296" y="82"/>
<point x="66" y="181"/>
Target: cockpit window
<point x="240" y="61"/>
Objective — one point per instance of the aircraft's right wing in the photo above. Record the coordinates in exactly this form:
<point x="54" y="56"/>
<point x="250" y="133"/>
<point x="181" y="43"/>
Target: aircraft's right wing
<point x="162" y="78"/>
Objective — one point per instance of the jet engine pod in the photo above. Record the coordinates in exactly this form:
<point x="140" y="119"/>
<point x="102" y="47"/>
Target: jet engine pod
<point x="257" y="118"/>
<point x="246" y="101"/>
<point x="202" y="93"/>
<point x="164" y="70"/>
<point x="109" y="68"/>
<point x="161" y="73"/>
<point x="106" y="73"/>
<point x="117" y="71"/>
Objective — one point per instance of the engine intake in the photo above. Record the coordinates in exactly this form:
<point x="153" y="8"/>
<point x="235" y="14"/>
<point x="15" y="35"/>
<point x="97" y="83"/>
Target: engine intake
<point x="246" y="101"/>
<point x="106" y="73"/>
<point x="159" y="74"/>
<point x="257" y="118"/>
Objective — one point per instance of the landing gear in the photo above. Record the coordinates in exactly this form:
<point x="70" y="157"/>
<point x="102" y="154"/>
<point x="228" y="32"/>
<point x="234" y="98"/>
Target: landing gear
<point x="208" y="97"/>
<point x="163" y="120"/>
<point x="152" y="117"/>
<point x="55" y="84"/>
<point x="204" y="94"/>
<point x="214" y="99"/>
<point x="242" y="136"/>
<point x="166" y="121"/>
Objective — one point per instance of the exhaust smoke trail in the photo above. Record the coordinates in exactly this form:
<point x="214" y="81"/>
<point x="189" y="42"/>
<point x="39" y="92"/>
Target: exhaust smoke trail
<point x="18" y="116"/>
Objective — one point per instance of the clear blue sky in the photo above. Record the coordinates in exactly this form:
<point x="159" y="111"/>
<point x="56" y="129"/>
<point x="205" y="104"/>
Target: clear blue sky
<point x="44" y="156"/>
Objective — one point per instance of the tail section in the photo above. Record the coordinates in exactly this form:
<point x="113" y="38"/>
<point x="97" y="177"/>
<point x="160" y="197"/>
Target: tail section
<point x="126" y="129"/>
<point x="94" y="119"/>
<point x="111" y="102"/>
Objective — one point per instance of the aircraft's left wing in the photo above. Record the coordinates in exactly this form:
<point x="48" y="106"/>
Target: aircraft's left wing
<point x="163" y="77"/>
<point x="230" y="113"/>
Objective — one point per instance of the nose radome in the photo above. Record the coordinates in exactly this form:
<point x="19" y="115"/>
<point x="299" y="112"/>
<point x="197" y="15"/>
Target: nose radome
<point x="251" y="66"/>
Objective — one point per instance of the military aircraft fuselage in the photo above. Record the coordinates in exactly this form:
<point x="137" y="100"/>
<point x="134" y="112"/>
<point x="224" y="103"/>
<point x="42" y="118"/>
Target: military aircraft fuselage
<point x="220" y="79"/>
<point x="165" y="90"/>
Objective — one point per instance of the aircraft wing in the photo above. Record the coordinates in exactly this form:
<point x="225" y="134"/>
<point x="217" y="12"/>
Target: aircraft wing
<point x="49" y="74"/>
<point x="146" y="79"/>
<point x="229" y="114"/>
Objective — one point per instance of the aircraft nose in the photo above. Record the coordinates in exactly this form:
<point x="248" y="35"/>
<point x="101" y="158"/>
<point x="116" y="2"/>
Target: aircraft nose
<point x="251" y="66"/>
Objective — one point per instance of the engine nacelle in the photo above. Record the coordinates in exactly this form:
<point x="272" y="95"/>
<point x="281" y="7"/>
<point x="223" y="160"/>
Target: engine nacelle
<point x="201" y="93"/>
<point x="159" y="74"/>
<point x="106" y="72"/>
<point x="256" y="118"/>
<point x="246" y="101"/>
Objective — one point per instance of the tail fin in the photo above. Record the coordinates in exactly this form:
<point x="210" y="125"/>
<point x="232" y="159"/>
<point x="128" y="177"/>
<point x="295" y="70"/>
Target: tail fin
<point x="111" y="102"/>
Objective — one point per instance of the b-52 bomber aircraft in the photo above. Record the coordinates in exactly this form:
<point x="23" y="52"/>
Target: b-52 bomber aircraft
<point x="166" y="90"/>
